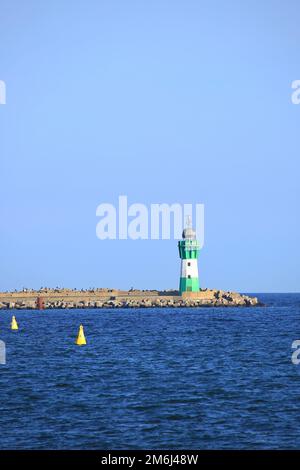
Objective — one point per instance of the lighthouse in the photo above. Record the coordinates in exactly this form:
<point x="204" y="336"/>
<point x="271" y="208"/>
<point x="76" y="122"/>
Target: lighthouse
<point x="188" y="252"/>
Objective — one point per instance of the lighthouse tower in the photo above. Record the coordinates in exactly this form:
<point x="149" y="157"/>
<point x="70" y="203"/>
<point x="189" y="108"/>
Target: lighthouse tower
<point x="188" y="252"/>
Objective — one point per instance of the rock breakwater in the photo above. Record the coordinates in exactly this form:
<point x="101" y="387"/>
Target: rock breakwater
<point x="111" y="298"/>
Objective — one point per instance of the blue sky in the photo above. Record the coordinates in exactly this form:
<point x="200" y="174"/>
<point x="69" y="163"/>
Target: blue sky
<point x="163" y="101"/>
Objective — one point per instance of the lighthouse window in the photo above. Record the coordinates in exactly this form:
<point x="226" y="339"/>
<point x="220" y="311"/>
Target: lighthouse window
<point x="189" y="276"/>
<point x="189" y="264"/>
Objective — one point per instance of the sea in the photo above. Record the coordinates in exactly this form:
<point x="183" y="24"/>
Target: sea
<point x="165" y="378"/>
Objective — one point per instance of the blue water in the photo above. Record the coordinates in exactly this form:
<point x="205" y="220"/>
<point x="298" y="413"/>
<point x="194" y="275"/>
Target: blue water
<point x="209" y="378"/>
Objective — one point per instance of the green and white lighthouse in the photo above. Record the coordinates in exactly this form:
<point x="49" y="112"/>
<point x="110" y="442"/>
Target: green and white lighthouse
<point x="188" y="252"/>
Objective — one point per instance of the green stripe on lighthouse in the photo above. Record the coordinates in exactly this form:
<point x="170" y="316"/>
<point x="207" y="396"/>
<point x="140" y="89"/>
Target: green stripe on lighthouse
<point x="189" y="284"/>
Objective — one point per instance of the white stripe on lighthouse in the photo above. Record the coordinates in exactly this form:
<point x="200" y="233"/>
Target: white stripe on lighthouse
<point x="189" y="268"/>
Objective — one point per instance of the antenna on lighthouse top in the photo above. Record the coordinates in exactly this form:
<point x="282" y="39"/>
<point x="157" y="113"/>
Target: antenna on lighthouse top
<point x="188" y="222"/>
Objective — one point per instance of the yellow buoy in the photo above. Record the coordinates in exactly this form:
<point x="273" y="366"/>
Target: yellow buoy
<point x="80" y="338"/>
<point x="14" y="324"/>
